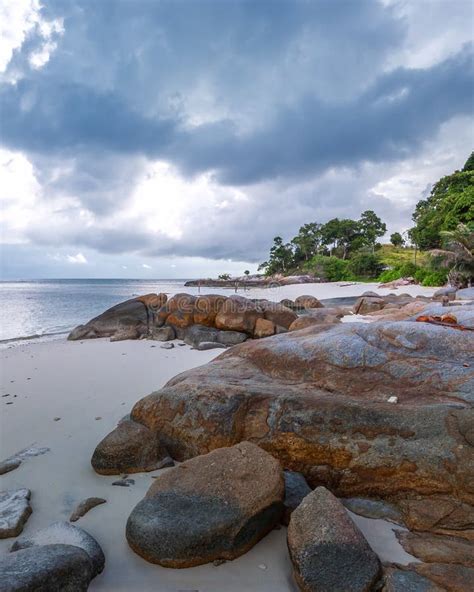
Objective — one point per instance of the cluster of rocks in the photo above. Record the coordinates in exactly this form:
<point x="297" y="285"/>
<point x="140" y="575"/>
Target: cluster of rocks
<point x="198" y="319"/>
<point x="382" y="411"/>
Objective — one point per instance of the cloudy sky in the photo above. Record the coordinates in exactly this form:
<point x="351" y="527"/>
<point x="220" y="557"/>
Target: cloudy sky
<point x="156" y="138"/>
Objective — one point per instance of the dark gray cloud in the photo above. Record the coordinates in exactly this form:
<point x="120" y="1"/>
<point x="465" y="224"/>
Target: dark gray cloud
<point x="265" y="96"/>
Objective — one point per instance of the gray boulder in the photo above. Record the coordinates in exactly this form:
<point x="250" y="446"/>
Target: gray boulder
<point x="402" y="580"/>
<point x="205" y="345"/>
<point x="328" y="551"/>
<point x="15" y="510"/>
<point x="64" y="533"/>
<point x="48" y="568"/>
<point x="215" y="506"/>
<point x="166" y="333"/>
<point x="375" y="509"/>
<point x="296" y="489"/>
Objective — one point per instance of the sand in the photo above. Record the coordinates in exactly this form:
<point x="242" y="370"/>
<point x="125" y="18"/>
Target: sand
<point x="90" y="385"/>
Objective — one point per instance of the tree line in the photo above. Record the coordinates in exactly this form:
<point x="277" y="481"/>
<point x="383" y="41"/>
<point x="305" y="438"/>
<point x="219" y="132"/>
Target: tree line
<point x="448" y="209"/>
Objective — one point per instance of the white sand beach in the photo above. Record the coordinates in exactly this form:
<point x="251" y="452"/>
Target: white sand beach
<point x="90" y="385"/>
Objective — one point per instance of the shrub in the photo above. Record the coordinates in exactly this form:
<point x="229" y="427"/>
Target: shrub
<point x="331" y="269"/>
<point x="389" y="275"/>
<point x="420" y="275"/>
<point x="435" y="278"/>
<point x="364" y="265"/>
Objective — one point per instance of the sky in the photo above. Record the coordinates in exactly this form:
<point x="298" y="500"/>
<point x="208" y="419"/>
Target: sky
<point x="175" y="139"/>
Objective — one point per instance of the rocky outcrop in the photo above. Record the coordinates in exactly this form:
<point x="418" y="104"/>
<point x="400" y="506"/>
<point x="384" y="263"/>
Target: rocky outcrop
<point x="375" y="509"/>
<point x="449" y="577"/>
<point x="15" y="510"/>
<point x="252" y="281"/>
<point x="404" y="580"/>
<point x="213" y="507"/>
<point x="64" y="533"/>
<point x="327" y="549"/>
<point x="380" y="410"/>
<point x="130" y="448"/>
<point x="51" y="568"/>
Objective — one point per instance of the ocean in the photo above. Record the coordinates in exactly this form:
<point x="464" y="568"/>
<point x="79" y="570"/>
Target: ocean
<point x="47" y="309"/>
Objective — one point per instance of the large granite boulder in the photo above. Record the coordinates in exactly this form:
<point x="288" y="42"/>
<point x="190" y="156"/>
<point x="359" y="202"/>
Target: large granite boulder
<point x="48" y="568"/>
<point x="277" y="313"/>
<point x="404" y="580"/>
<point x="206" y="309"/>
<point x="465" y="294"/>
<point x="129" y="320"/>
<point x="367" y="304"/>
<point x="15" y="510"/>
<point x="130" y="448"/>
<point x="380" y="410"/>
<point x="328" y="551"/>
<point x="215" y="506"/>
<point x="64" y="533"/>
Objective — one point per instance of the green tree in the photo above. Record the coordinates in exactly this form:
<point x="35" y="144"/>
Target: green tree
<point x="371" y="228"/>
<point x="307" y="242"/>
<point x="450" y="203"/>
<point x="341" y="236"/>
<point x="281" y="258"/>
<point x="247" y="272"/>
<point x="397" y="239"/>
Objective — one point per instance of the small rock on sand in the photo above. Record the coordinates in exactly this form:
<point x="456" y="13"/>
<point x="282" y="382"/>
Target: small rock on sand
<point x="64" y="533"/>
<point x="15" y="510"/>
<point x="124" y="482"/>
<point x="167" y="345"/>
<point x="9" y="465"/>
<point x="85" y="506"/>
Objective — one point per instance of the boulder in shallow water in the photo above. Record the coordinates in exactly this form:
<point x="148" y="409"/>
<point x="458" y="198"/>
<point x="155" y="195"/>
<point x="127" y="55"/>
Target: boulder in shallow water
<point x="327" y="549"/>
<point x="15" y="510"/>
<point x="48" y="568"/>
<point x="130" y="448"/>
<point x="215" y="506"/>
<point x="64" y="533"/>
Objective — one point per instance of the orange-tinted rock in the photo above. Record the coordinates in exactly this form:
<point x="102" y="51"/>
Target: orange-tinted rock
<point x="277" y="313"/>
<point x="264" y="328"/>
<point x="367" y="304"/>
<point x="130" y="448"/>
<point x="432" y="548"/>
<point x="180" y="319"/>
<point x="206" y="309"/>
<point x="153" y="301"/>
<point x="238" y="314"/>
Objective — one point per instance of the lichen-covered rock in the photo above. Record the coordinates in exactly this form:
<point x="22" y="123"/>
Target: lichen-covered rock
<point x="64" y="533"/>
<point x="48" y="568"/>
<point x="296" y="489"/>
<point x="280" y="315"/>
<point x="327" y="549"/>
<point x="130" y="448"/>
<point x="215" y="506"/>
<point x="15" y="510"/>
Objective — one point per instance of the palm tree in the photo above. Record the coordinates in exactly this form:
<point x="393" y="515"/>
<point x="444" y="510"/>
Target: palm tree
<point x="458" y="254"/>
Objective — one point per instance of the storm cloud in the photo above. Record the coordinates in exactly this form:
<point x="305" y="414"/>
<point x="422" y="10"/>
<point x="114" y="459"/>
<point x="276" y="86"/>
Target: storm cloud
<point x="202" y="129"/>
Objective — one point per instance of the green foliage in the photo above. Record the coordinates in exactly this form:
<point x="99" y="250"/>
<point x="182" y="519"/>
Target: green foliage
<point x="450" y="203"/>
<point x="400" y="271"/>
<point x="397" y="239"/>
<point x="364" y="265"/>
<point x="435" y="278"/>
<point x="371" y="228"/>
<point x="331" y="269"/>
<point x="247" y="272"/>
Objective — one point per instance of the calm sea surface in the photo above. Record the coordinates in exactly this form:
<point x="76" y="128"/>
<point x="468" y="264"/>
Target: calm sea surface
<point x="45" y="308"/>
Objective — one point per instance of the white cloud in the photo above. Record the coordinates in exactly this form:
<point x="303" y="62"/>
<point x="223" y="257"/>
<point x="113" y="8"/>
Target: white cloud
<point x="19" y="20"/>
<point x="76" y="259"/>
<point x="146" y="266"/>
